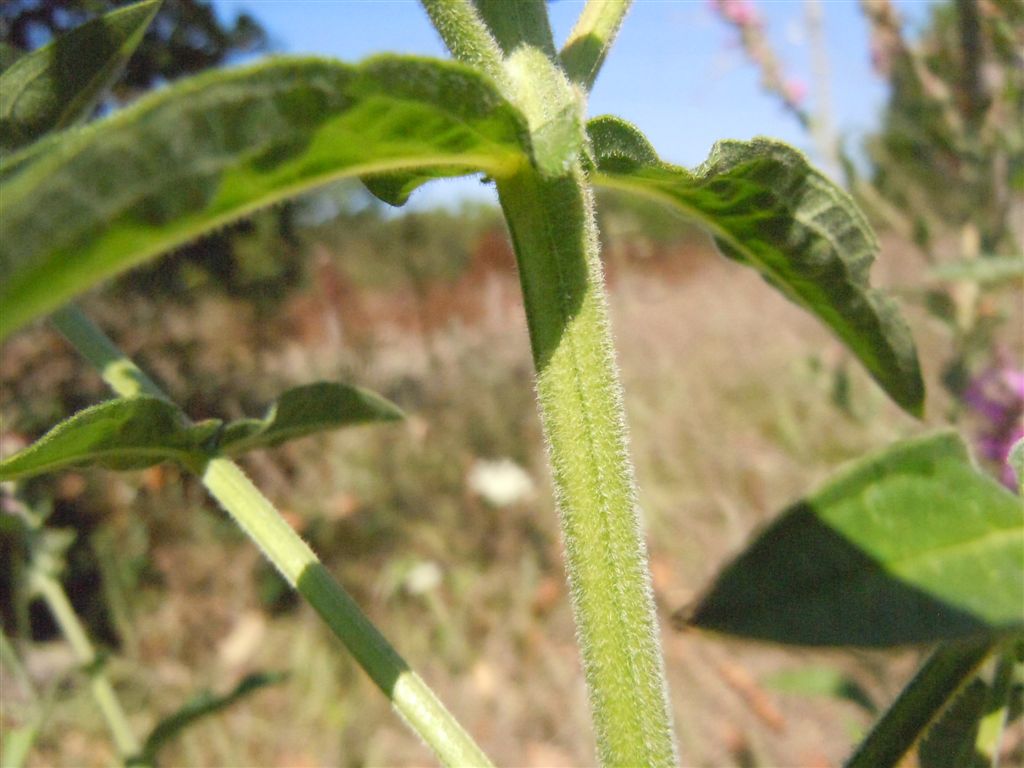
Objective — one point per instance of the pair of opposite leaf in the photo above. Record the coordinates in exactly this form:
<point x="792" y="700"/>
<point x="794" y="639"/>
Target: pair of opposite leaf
<point x="80" y="206"/>
<point x="138" y="432"/>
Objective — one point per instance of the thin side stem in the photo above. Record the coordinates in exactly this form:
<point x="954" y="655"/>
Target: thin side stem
<point x="227" y="483"/>
<point x="465" y="34"/>
<point x="555" y="240"/>
<point x="946" y="671"/>
<point x="103" y="693"/>
<point x="585" y="50"/>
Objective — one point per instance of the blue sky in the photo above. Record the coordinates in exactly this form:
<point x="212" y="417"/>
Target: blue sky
<point x="676" y="70"/>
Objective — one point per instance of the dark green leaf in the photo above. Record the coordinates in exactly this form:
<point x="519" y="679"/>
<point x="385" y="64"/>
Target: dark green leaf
<point x="947" y="670"/>
<point x="60" y="83"/>
<point x="949" y="743"/>
<point x="208" y="150"/>
<point x="912" y="545"/>
<point x="821" y="681"/>
<point x="203" y="705"/>
<point x="305" y="411"/>
<point x="118" y="434"/>
<point x="768" y="208"/>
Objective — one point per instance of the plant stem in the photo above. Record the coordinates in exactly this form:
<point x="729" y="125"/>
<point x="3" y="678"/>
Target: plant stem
<point x="228" y="484"/>
<point x="589" y="41"/>
<point x="522" y="22"/>
<point x="555" y="240"/>
<point x="52" y="592"/>
<point x="465" y="34"/>
<point x="117" y="369"/>
<point x="949" y="668"/>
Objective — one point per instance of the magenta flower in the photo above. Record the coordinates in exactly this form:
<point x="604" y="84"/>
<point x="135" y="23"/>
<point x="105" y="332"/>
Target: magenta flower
<point x="739" y="12"/>
<point x="795" y="91"/>
<point x="996" y="398"/>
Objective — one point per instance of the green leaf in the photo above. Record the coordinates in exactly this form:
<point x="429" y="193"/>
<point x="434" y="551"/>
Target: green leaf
<point x="768" y="208"/>
<point x="305" y="411"/>
<point x="821" y="681"/>
<point x="949" y="742"/>
<point x="119" y="434"/>
<point x="208" y="150"/>
<point x="202" y="705"/>
<point x="912" y="545"/>
<point x="946" y="671"/>
<point x="59" y="84"/>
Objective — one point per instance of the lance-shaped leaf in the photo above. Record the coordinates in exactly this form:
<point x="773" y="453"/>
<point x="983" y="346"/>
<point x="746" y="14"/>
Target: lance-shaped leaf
<point x="768" y="208"/>
<point x="128" y="433"/>
<point x="60" y="83"/>
<point x="201" y="706"/>
<point x="305" y="411"/>
<point x="913" y="545"/>
<point x="211" y="149"/>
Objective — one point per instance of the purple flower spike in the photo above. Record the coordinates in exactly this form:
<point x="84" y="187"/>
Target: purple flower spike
<point x="996" y="398"/>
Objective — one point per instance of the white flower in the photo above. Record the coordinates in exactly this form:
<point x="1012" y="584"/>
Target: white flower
<point x="500" y="482"/>
<point x="423" y="577"/>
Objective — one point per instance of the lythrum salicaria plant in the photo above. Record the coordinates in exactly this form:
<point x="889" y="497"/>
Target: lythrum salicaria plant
<point x="912" y="546"/>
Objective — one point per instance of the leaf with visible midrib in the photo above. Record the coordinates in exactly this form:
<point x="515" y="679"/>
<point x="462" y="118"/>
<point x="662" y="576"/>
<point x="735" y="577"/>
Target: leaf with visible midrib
<point x="208" y="150"/>
<point x="768" y="208"/>
<point x="60" y="83"/>
<point x="305" y="411"/>
<point x="119" y="434"/>
<point x="913" y="545"/>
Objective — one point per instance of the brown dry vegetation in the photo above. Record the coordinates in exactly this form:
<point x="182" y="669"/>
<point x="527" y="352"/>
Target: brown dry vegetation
<point x="728" y="395"/>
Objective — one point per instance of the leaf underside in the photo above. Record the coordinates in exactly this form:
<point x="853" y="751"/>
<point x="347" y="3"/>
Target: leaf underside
<point x="82" y="206"/>
<point x="768" y="208"/>
<point x="912" y="545"/>
<point x="60" y="83"/>
<point x="119" y="434"/>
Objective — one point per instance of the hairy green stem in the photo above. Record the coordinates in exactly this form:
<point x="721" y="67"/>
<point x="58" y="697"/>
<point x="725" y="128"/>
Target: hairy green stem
<point x="465" y="34"/>
<point x="228" y="484"/>
<point x="521" y="22"/>
<point x="588" y="43"/>
<point x="945" y="672"/>
<point x="554" y="236"/>
<point x="103" y="693"/>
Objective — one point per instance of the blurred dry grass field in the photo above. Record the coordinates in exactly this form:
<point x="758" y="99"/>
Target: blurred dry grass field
<point x="729" y="393"/>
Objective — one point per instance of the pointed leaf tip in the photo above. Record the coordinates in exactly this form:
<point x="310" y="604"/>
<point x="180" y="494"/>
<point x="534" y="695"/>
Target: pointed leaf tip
<point x="912" y="545"/>
<point x="766" y="207"/>
<point x="307" y="410"/>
